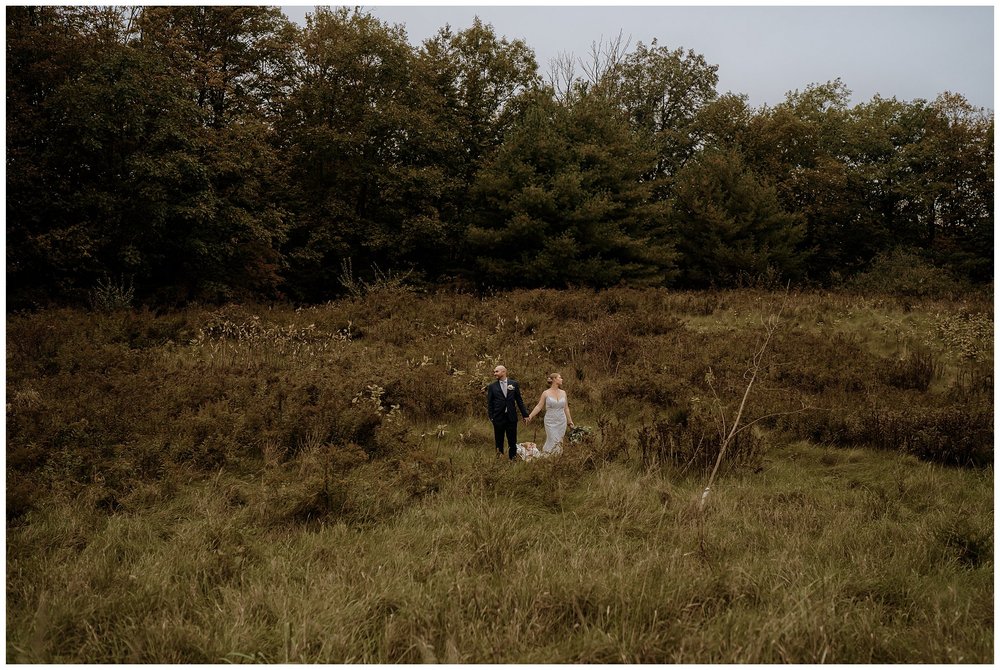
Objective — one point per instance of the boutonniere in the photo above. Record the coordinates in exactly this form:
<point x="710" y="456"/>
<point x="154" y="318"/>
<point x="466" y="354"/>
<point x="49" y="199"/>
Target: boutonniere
<point x="511" y="387"/>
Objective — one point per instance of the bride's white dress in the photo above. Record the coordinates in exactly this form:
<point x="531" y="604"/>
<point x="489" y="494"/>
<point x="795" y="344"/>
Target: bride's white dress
<point x="555" y="424"/>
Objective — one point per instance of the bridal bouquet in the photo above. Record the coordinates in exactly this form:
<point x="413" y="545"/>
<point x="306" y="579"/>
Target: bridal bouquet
<point x="578" y="433"/>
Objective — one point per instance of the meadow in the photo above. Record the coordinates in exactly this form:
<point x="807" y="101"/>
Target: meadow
<point x="259" y="483"/>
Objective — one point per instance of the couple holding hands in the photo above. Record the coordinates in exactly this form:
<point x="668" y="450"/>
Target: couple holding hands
<point x="504" y="405"/>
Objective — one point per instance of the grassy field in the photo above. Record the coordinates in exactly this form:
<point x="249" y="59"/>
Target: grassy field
<point x="264" y="484"/>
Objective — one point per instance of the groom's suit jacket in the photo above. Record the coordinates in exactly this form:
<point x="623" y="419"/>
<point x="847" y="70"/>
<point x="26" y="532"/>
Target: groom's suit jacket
<point x="504" y="409"/>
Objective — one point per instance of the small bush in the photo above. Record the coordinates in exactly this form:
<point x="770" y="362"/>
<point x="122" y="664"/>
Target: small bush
<point x="144" y="330"/>
<point x="109" y="296"/>
<point x="973" y="384"/>
<point x="953" y="435"/>
<point x="659" y="386"/>
<point x="691" y="440"/>
<point x="829" y="426"/>
<point x="821" y="366"/>
<point x="381" y="282"/>
<point x="916" y="371"/>
<point x="609" y="342"/>
<point x="21" y="498"/>
<point x="26" y="458"/>
<point x="905" y="274"/>
<point x="362" y="493"/>
<point x="969" y="336"/>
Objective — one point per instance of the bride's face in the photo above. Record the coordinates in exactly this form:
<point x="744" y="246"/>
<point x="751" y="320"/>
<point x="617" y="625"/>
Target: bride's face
<point x="557" y="380"/>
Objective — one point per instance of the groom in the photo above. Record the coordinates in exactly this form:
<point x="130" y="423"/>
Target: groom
<point x="503" y="400"/>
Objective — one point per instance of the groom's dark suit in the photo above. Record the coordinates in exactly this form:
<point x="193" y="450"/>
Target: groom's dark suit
<point x="503" y="411"/>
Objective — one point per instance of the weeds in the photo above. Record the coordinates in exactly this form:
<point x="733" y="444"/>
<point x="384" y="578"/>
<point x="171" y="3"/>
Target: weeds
<point x="970" y="336"/>
<point x="915" y="371"/>
<point x="955" y="436"/>
<point x="109" y="296"/>
<point x="383" y="282"/>
<point x="317" y="485"/>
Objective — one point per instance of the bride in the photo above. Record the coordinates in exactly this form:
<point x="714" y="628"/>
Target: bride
<point x="557" y="415"/>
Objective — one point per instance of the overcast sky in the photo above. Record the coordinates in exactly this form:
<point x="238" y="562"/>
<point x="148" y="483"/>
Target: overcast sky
<point x="905" y="52"/>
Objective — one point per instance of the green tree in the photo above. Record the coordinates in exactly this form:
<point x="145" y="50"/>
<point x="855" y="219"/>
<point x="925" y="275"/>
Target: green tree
<point x="362" y="152"/>
<point x="880" y="175"/>
<point x="235" y="60"/>
<point x="729" y="224"/>
<point x="563" y="202"/>
<point x="480" y="78"/>
<point x="662" y="91"/>
<point x="234" y="64"/>
<point x="819" y="159"/>
<point x="802" y="146"/>
<point x="91" y="117"/>
<point x="41" y="248"/>
<point x="950" y="182"/>
<point x="477" y="82"/>
<point x="725" y="123"/>
<point x="119" y="171"/>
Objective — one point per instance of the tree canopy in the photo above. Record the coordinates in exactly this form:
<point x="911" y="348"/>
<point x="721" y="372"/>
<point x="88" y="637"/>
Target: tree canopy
<point x="220" y="153"/>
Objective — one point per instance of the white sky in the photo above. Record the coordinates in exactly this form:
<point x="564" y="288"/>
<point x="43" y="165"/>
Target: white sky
<point x="905" y="52"/>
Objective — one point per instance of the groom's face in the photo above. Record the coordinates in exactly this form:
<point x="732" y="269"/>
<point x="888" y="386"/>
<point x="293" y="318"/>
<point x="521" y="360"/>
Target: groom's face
<point x="500" y="372"/>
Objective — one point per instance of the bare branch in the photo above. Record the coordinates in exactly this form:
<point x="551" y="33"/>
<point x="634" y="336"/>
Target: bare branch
<point x="770" y="326"/>
<point x="605" y="58"/>
<point x="562" y="75"/>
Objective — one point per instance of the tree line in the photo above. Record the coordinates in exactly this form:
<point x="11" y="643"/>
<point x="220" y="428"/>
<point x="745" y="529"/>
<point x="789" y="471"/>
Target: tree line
<point x="219" y="153"/>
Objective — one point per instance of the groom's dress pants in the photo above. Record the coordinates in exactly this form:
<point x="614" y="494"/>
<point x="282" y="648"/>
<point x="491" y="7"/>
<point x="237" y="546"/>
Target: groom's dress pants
<point x="508" y="428"/>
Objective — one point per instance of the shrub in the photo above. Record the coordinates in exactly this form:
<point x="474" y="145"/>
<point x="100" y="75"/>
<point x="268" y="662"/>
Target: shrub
<point x="108" y="296"/>
<point x="361" y="494"/>
<point x="143" y="330"/>
<point x="905" y="274"/>
<point x="820" y="365"/>
<point x="661" y="388"/>
<point x="691" y="440"/>
<point x="609" y="342"/>
<point x="21" y="498"/>
<point x="972" y="384"/>
<point x="969" y="336"/>
<point x="915" y="371"/>
<point x="829" y="425"/>
<point x="952" y="435"/>
<point x="381" y="283"/>
<point x="969" y="546"/>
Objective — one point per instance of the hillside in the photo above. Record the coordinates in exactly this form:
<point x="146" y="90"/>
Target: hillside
<point x="262" y="483"/>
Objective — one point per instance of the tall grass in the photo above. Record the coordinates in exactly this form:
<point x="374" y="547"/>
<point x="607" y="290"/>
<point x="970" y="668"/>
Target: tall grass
<point x="262" y="484"/>
<point x="849" y="561"/>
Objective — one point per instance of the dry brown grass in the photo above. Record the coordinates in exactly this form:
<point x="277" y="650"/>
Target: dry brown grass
<point x="317" y="485"/>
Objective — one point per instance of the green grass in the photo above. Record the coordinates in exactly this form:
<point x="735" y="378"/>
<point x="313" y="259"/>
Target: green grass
<point x="823" y="556"/>
<point x="256" y="498"/>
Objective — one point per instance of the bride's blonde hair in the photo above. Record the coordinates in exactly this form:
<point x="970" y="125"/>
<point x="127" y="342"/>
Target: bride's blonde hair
<point x="552" y="375"/>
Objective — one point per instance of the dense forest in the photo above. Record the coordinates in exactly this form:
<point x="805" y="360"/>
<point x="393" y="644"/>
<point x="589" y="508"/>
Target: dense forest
<point x="224" y="153"/>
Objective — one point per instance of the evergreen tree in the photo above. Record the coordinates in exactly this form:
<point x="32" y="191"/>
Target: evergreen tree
<point x="475" y="82"/>
<point x="730" y="225"/>
<point x="564" y="204"/>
